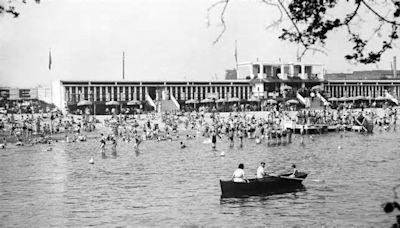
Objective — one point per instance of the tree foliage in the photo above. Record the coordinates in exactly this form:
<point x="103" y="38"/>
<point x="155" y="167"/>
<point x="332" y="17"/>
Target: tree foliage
<point x="8" y="7"/>
<point x="311" y="22"/>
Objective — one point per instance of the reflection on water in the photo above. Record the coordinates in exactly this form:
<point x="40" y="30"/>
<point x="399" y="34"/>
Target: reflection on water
<point x="168" y="186"/>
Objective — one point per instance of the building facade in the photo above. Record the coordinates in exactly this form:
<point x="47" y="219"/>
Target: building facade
<point x="253" y="79"/>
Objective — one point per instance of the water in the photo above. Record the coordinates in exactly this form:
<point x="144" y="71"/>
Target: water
<point x="167" y="186"/>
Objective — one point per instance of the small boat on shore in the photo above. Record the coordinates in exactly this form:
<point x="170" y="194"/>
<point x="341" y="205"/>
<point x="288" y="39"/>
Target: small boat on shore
<point x="267" y="185"/>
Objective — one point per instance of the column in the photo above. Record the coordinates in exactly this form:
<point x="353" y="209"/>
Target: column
<point x="118" y="94"/>
<point x="95" y="98"/>
<point x="134" y="97"/>
<point x="70" y="92"/>
<point x="303" y="73"/>
<point x="282" y="72"/>
<point x="261" y="71"/>
<point x="130" y="93"/>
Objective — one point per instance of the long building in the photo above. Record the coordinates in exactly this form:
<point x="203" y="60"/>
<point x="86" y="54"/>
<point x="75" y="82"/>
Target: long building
<point x="253" y="79"/>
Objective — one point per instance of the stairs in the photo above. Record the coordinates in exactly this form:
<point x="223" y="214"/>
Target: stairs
<point x="316" y="103"/>
<point x="168" y="106"/>
<point x="391" y="97"/>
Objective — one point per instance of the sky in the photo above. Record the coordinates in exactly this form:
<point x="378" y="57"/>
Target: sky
<point x="162" y="40"/>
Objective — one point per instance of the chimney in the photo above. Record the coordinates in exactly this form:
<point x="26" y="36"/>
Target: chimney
<point x="394" y="67"/>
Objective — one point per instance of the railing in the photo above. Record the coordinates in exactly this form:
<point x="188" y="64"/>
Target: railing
<point x="151" y="102"/>
<point x="326" y="103"/>
<point x="390" y="97"/>
<point x="175" y="101"/>
<point x="303" y="100"/>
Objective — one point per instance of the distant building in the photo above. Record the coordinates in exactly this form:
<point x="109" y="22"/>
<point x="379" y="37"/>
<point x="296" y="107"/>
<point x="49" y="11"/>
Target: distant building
<point x="362" y="75"/>
<point x="26" y="94"/>
<point x="231" y="74"/>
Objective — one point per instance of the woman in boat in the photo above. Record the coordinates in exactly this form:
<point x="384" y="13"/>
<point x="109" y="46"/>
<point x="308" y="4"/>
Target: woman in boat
<point x="238" y="175"/>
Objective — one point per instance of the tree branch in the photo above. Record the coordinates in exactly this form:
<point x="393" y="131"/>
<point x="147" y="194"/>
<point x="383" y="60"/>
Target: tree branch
<point x="276" y="22"/>
<point x="222" y="19"/>
<point x="378" y="15"/>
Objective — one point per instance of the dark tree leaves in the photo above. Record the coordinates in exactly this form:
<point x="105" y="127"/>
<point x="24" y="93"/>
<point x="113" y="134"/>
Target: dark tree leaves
<point x="9" y="8"/>
<point x="311" y="16"/>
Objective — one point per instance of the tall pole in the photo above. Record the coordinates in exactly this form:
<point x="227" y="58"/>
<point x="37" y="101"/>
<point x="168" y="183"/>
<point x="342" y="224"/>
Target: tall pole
<point x="123" y="65"/>
<point x="236" y="56"/>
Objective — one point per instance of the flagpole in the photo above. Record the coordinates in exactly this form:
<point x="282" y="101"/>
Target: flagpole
<point x="123" y="65"/>
<point x="49" y="58"/>
<point x="236" y="58"/>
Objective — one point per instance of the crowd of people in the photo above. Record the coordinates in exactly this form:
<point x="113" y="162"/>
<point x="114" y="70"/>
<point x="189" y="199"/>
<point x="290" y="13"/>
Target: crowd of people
<point x="228" y="128"/>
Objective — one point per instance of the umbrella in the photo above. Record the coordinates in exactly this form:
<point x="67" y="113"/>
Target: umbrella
<point x="317" y="87"/>
<point x="234" y="99"/>
<point x="344" y="99"/>
<point x="112" y="103"/>
<point x="380" y="98"/>
<point x="84" y="102"/>
<point x="255" y="99"/>
<point x="292" y="101"/>
<point x="271" y="101"/>
<point x="55" y="110"/>
<point x="133" y="102"/>
<point x="359" y="98"/>
<point x="191" y="101"/>
<point x="207" y="100"/>
<point x="221" y="100"/>
<point x="368" y="98"/>
<point x="286" y="87"/>
<point x="333" y="99"/>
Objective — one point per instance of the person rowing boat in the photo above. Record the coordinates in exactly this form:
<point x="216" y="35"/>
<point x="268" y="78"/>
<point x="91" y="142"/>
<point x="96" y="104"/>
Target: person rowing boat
<point x="261" y="170"/>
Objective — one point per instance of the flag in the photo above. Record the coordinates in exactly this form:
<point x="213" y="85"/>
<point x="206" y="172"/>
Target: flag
<point x="236" y="58"/>
<point x="50" y="60"/>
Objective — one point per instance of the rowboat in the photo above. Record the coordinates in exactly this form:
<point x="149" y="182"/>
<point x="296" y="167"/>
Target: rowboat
<point x="267" y="185"/>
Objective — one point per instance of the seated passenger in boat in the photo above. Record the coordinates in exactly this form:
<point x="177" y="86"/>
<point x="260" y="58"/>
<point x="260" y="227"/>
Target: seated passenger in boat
<point x="238" y="175"/>
<point x="294" y="171"/>
<point x="261" y="170"/>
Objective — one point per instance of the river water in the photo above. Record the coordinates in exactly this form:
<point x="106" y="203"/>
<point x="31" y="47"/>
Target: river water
<point x="164" y="186"/>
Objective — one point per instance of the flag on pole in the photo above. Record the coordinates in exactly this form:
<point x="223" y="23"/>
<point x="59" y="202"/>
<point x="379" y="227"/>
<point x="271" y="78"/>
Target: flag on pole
<point x="50" y="59"/>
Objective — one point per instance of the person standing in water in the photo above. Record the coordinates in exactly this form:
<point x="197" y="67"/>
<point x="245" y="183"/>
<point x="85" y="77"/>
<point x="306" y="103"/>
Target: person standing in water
<point x="114" y="146"/>
<point x="231" y="134"/>
<point x="103" y="144"/>
<point x="214" y="140"/>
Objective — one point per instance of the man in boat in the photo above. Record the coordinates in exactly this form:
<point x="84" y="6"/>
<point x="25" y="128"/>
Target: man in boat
<point x="294" y="171"/>
<point x="261" y="170"/>
<point x="238" y="175"/>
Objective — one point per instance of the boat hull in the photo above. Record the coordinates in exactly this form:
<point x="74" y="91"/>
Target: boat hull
<point x="266" y="185"/>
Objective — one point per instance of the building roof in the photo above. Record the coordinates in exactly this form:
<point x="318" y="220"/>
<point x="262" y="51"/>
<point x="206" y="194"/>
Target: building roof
<point x="362" y="75"/>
